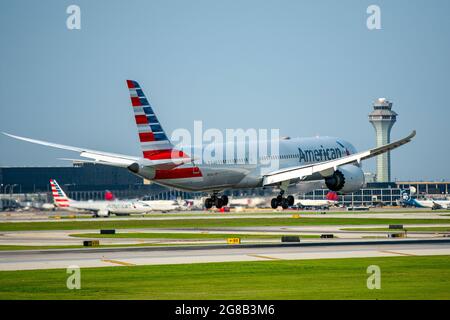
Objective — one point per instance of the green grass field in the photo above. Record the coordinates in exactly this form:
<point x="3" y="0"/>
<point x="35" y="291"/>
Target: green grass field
<point x="183" y="236"/>
<point x="200" y="223"/>
<point x="401" y="278"/>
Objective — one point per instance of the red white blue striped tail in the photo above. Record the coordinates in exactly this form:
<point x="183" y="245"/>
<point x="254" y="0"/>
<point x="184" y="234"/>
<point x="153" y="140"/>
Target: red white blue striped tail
<point x="154" y="142"/>
<point x="59" y="196"/>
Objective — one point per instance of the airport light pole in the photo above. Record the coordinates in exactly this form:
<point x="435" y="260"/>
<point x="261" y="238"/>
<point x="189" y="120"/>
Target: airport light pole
<point x="6" y="189"/>
<point x="11" y="190"/>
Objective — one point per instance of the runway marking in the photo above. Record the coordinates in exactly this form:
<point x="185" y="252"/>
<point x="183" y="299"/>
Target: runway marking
<point x="122" y="263"/>
<point x="263" y="257"/>
<point x="399" y="253"/>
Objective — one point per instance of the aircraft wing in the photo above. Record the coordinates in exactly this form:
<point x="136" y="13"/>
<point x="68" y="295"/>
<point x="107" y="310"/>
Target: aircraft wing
<point x="327" y="168"/>
<point x="107" y="158"/>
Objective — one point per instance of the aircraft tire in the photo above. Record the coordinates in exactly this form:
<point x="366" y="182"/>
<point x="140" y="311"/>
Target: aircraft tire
<point x="224" y="200"/>
<point x="284" y="203"/>
<point x="219" y="203"/>
<point x="274" y="203"/>
<point x="208" y="203"/>
<point x="290" y="200"/>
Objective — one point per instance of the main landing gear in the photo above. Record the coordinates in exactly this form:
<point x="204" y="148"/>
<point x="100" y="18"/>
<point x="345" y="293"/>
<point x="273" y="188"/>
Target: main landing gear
<point x="282" y="201"/>
<point x="216" y="201"/>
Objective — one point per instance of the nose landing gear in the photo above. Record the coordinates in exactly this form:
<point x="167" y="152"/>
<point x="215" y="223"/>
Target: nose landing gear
<point x="216" y="201"/>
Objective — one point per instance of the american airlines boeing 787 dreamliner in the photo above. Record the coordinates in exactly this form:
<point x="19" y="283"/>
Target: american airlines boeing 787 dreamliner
<point x="331" y="160"/>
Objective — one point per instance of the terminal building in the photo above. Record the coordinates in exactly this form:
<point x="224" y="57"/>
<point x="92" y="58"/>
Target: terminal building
<point x="433" y="188"/>
<point x="373" y="194"/>
<point x="385" y="194"/>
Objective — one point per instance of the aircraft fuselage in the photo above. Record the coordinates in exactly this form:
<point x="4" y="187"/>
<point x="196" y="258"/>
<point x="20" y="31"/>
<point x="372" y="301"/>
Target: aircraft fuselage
<point x="246" y="169"/>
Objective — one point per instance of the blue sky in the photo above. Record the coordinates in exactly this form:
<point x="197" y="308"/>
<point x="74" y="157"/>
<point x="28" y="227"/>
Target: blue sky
<point x="305" y="67"/>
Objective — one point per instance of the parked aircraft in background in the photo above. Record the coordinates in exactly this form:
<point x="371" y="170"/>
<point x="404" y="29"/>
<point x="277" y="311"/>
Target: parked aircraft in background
<point x="163" y="205"/>
<point x="249" y="202"/>
<point x="108" y="207"/>
<point x="46" y="206"/>
<point x="39" y="206"/>
<point x="192" y="204"/>
<point x="408" y="200"/>
<point x="332" y="199"/>
<point x="109" y="196"/>
<point x="327" y="159"/>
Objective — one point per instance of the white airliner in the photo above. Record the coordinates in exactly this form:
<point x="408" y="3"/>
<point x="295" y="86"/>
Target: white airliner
<point x="327" y="159"/>
<point x="332" y="199"/>
<point x="107" y="207"/>
<point x="164" y="205"/>
<point x="251" y="202"/>
<point x="99" y="208"/>
<point x="316" y="203"/>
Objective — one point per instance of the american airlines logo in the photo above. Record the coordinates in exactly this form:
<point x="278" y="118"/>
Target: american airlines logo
<point x="319" y="155"/>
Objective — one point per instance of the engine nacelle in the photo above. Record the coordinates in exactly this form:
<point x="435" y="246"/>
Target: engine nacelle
<point x="142" y="171"/>
<point x="347" y="179"/>
<point x="102" y="213"/>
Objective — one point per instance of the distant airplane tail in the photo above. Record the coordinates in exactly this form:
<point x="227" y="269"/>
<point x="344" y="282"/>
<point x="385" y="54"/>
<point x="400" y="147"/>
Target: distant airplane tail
<point x="405" y="195"/>
<point x="59" y="196"/>
<point x="109" y="196"/>
<point x="332" y="196"/>
<point x="154" y="142"/>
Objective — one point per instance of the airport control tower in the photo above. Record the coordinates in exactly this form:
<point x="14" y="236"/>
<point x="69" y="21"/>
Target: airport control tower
<point x="383" y="118"/>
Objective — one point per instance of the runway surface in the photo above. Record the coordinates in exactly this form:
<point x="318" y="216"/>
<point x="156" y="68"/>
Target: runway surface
<point x="63" y="258"/>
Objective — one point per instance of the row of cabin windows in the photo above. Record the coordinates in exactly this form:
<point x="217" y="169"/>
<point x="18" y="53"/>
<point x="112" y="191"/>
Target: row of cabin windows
<point x="245" y="160"/>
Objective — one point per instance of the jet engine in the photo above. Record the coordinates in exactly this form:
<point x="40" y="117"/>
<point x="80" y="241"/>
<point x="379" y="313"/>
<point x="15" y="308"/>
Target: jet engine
<point x="346" y="179"/>
<point x="102" y="213"/>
